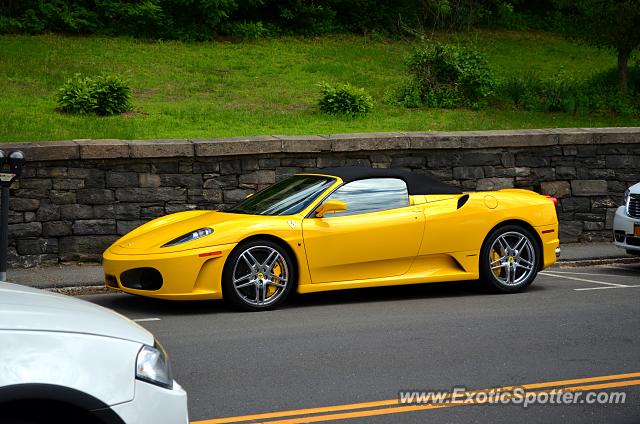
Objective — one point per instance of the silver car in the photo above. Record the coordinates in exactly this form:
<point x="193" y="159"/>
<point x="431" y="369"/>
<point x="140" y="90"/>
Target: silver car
<point x="66" y="360"/>
<point x="626" y="222"/>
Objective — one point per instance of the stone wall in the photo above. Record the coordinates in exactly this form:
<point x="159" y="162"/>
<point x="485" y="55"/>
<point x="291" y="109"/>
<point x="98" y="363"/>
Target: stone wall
<point x="76" y="197"/>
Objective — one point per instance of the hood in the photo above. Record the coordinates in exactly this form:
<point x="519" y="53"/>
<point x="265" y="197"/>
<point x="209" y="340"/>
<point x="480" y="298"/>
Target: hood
<point x="635" y="189"/>
<point x="26" y="308"/>
<point x="150" y="237"/>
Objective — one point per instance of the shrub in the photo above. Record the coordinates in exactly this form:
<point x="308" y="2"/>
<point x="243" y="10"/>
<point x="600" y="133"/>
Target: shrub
<point x="344" y="99"/>
<point x="563" y="93"/>
<point x="102" y="95"/>
<point x="249" y="30"/>
<point x="447" y="77"/>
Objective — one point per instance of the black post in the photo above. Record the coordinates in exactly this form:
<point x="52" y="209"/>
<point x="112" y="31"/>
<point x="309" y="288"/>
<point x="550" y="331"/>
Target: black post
<point x="4" y="232"/>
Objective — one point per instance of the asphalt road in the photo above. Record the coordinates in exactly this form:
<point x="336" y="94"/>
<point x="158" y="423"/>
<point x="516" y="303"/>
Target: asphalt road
<point x="361" y="346"/>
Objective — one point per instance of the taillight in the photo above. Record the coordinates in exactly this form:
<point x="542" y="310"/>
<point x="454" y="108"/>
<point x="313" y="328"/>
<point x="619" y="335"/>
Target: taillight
<point x="553" y="199"/>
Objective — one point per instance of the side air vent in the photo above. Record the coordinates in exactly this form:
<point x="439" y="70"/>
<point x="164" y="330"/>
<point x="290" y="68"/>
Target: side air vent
<point x="462" y="200"/>
<point x="142" y="279"/>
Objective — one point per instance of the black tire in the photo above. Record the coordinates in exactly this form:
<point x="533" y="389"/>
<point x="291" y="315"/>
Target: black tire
<point x="509" y="259"/>
<point x="258" y="276"/>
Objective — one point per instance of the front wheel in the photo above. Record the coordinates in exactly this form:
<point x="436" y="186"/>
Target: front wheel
<point x="258" y="276"/>
<point x="509" y="259"/>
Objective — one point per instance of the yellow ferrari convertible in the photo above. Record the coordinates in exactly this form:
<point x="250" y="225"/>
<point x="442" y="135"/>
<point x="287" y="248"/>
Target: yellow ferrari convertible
<point x="339" y="228"/>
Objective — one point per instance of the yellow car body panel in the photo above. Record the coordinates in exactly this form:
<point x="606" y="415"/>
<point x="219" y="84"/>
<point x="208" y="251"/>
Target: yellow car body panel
<point x="436" y="238"/>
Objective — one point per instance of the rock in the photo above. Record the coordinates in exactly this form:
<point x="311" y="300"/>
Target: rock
<point x="56" y="228"/>
<point x="94" y="226"/>
<point x="149" y="180"/>
<point x="559" y="189"/>
<point x="36" y="246"/>
<point x="72" y="212"/>
<point x="48" y="212"/>
<point x="125" y="227"/>
<point x="468" y="173"/>
<point x="236" y="195"/>
<point x="485" y="184"/>
<point x="179" y="180"/>
<point x="589" y="187"/>
<point x="258" y="177"/>
<point x="149" y="195"/>
<point x="68" y="183"/>
<point x="104" y="211"/>
<point x="95" y="196"/>
<point x="570" y="231"/>
<point x="127" y="211"/>
<point x="122" y="179"/>
<point x="408" y="161"/>
<point x="84" y="248"/>
<point x="29" y="229"/>
<point x="20" y="205"/>
<point x="575" y="204"/>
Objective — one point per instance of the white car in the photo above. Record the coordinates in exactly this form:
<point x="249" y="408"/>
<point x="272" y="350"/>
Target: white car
<point x="67" y="360"/>
<point x="626" y="222"/>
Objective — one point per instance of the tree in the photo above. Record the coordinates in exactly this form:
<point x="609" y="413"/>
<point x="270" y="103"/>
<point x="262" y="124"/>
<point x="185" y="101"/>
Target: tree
<point x="607" y="24"/>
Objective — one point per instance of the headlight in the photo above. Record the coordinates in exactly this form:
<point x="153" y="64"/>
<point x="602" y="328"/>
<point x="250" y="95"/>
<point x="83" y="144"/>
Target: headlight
<point x="194" y="235"/>
<point x="626" y="196"/>
<point x="152" y="366"/>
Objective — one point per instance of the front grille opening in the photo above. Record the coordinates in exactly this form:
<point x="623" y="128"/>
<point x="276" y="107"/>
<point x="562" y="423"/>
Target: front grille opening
<point x="141" y="279"/>
<point x="111" y="281"/>
<point x="619" y="235"/>
<point x="633" y="241"/>
<point x="633" y="208"/>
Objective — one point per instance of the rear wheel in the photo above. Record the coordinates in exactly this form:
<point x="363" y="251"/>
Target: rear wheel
<point x="509" y="259"/>
<point x="258" y="276"/>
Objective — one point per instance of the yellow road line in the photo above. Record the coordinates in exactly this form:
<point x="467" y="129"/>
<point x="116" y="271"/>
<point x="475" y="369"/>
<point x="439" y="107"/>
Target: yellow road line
<point x="414" y="408"/>
<point x="390" y="402"/>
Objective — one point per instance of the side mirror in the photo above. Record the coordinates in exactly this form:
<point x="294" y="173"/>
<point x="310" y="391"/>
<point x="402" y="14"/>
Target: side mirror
<point x="330" y="206"/>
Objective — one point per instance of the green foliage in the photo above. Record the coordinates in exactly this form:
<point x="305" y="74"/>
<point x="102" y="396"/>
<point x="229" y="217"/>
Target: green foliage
<point x="448" y="76"/>
<point x="204" y="19"/>
<point x="563" y="93"/>
<point x="249" y="30"/>
<point x="605" y="23"/>
<point x="344" y="99"/>
<point x="102" y="95"/>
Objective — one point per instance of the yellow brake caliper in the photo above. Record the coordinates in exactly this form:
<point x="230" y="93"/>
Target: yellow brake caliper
<point x="494" y="257"/>
<point x="276" y="271"/>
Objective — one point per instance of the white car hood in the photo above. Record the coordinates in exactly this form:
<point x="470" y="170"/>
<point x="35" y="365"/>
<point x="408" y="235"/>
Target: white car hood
<point x="635" y="189"/>
<point x="29" y="309"/>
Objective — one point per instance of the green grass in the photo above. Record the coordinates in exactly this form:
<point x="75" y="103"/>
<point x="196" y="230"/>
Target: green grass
<point x="218" y="89"/>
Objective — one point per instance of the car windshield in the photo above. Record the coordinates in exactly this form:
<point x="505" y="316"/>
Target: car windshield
<point x="286" y="197"/>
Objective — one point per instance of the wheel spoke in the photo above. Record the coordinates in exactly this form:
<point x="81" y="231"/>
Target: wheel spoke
<point x="244" y="277"/>
<point x="273" y="283"/>
<point x="272" y="277"/>
<point x="499" y="260"/>
<point x="269" y="263"/>
<point x="527" y="267"/>
<point x="500" y="265"/>
<point x="248" y="283"/>
<point x="522" y="240"/>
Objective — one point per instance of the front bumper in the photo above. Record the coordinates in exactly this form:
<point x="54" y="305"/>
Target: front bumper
<point x="186" y="275"/>
<point x="153" y="404"/>
<point x="623" y="230"/>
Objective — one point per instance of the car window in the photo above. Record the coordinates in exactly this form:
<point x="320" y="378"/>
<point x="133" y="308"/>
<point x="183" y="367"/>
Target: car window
<point x="286" y="197"/>
<point x="371" y="195"/>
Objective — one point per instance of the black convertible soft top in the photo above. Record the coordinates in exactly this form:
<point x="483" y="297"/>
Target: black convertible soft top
<point x="416" y="183"/>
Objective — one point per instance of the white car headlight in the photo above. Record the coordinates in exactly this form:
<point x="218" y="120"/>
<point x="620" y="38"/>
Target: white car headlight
<point x="152" y="366"/>
<point x="626" y="196"/>
<point x="194" y="235"/>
